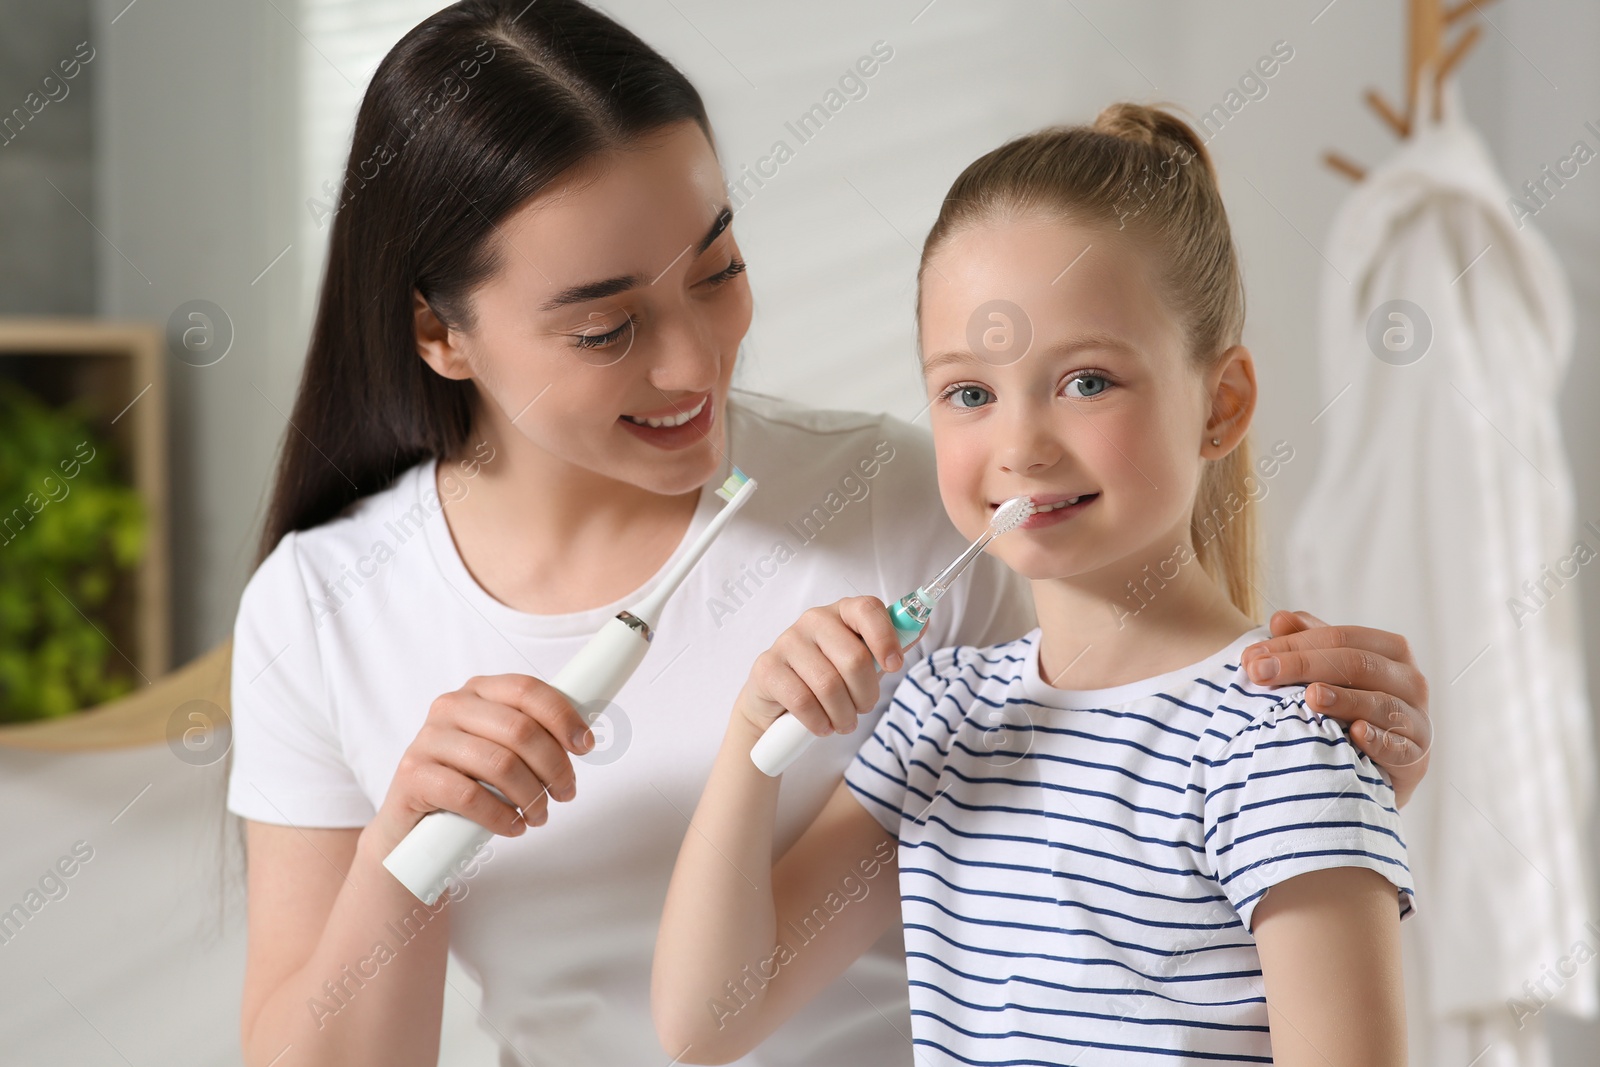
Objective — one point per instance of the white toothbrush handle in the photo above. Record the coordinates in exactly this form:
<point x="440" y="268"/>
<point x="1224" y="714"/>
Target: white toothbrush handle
<point x="787" y="738"/>
<point x="443" y="843"/>
<point x="785" y="741"/>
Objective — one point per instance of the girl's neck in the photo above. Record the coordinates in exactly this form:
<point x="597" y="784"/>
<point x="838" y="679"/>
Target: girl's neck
<point x="1096" y="632"/>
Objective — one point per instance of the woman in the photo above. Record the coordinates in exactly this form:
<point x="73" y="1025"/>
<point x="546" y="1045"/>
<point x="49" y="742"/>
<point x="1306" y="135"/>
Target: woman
<point x="517" y="392"/>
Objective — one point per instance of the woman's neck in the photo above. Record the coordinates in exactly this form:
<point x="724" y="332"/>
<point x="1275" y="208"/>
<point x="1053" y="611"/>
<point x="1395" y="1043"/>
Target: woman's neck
<point x="546" y="536"/>
<point x="1097" y="632"/>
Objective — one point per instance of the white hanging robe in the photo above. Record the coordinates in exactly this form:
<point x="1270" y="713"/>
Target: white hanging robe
<point x="1442" y="489"/>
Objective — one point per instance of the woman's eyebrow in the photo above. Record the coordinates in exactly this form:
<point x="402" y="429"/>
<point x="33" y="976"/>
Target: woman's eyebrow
<point x="723" y="220"/>
<point x="578" y="294"/>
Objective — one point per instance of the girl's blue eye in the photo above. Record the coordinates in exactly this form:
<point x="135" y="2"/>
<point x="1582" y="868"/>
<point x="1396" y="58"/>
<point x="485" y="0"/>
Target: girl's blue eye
<point x="1104" y="384"/>
<point x="966" y="396"/>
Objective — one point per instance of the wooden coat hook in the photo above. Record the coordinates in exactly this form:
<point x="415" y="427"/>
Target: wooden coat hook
<point x="1426" y="55"/>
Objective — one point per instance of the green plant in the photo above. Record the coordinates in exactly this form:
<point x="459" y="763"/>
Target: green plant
<point x="69" y="532"/>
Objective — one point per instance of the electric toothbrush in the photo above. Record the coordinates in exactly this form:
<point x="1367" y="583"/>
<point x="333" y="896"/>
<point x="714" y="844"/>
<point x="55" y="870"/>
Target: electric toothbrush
<point x="787" y="738"/>
<point x="442" y="842"/>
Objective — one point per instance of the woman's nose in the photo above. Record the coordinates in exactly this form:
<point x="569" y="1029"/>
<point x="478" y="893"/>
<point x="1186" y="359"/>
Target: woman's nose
<point x="687" y="358"/>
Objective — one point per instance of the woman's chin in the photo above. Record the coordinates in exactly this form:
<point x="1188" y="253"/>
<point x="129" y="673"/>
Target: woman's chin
<point x="679" y="473"/>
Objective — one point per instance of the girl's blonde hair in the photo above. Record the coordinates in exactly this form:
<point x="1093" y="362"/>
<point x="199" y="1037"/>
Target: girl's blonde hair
<point x="1144" y="170"/>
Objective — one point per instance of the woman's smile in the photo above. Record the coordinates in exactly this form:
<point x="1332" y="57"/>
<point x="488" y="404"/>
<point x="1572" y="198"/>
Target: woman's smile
<point x="676" y="427"/>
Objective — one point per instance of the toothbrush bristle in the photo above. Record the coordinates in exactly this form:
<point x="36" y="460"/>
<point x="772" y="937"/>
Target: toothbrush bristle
<point x="732" y="485"/>
<point x="1011" y="514"/>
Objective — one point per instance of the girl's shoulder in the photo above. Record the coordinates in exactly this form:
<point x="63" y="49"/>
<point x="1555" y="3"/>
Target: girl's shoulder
<point x="1242" y="709"/>
<point x="969" y="676"/>
<point x="1237" y="710"/>
<point x="942" y="689"/>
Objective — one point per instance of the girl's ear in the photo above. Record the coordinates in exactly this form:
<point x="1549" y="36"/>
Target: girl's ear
<point x="436" y="345"/>
<point x="1233" y="402"/>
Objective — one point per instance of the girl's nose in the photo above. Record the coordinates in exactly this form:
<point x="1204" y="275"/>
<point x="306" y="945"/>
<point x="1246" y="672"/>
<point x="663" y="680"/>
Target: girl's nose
<point x="1014" y="466"/>
<point x="1027" y="442"/>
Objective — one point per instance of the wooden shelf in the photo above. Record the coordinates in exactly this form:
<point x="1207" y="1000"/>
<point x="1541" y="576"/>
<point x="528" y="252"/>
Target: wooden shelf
<point x="118" y="369"/>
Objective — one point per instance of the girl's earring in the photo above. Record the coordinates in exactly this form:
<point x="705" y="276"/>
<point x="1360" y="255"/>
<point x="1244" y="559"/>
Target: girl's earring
<point x="1215" y="441"/>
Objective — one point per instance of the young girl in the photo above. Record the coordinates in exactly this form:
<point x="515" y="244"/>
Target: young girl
<point x="1111" y="845"/>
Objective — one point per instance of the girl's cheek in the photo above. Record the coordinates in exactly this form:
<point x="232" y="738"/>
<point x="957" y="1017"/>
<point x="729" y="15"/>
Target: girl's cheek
<point x="961" y="485"/>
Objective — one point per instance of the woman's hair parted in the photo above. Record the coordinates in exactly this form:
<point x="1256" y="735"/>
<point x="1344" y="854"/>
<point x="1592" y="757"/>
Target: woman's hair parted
<point x="1143" y="170"/>
<point x="475" y="110"/>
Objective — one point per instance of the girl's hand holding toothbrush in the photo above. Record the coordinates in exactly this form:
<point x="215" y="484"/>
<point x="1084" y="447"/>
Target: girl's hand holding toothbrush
<point x="512" y="731"/>
<point x="732" y="897"/>
<point x="824" y="670"/>
<point x="785" y="738"/>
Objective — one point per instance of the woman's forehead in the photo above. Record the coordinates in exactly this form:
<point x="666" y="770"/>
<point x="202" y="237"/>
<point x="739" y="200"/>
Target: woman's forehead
<point x="633" y="210"/>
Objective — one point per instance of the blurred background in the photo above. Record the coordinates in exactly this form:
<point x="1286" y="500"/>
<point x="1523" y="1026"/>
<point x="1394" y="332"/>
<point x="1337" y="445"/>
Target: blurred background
<point x="186" y="168"/>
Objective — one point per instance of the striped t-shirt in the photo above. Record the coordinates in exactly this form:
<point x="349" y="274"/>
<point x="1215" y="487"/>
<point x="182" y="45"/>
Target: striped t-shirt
<point x="1078" y="868"/>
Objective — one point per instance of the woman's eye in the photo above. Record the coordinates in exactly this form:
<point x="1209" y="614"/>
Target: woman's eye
<point x="1094" y="385"/>
<point x="967" y="396"/>
<point x="731" y="271"/>
<point x="602" y="339"/>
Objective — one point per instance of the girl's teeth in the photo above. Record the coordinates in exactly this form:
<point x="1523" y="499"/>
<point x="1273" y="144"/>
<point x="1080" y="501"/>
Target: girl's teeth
<point x="1058" y="505"/>
<point x="672" y="420"/>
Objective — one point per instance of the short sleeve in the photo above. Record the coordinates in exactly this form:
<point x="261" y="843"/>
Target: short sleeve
<point x="288" y="767"/>
<point x="879" y="775"/>
<point x="1289" y="794"/>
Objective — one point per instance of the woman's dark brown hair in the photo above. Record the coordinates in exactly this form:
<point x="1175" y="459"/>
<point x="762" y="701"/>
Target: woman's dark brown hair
<point x="475" y="110"/>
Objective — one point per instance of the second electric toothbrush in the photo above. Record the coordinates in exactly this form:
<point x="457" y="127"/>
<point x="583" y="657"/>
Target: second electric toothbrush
<point x="787" y="738"/>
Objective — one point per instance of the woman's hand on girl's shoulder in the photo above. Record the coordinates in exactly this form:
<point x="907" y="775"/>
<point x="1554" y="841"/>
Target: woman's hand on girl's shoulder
<point x="823" y="670"/>
<point x="1364" y="678"/>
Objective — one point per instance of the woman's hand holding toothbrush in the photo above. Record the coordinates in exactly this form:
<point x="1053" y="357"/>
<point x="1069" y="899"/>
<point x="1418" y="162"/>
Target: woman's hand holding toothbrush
<point x="824" y="670"/>
<point x="463" y="814"/>
<point x="512" y="731"/>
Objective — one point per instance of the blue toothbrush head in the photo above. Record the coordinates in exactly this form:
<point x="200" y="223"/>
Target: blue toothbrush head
<point x="735" y="481"/>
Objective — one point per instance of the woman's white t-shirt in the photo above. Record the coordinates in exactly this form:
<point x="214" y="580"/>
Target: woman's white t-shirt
<point x="349" y="631"/>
